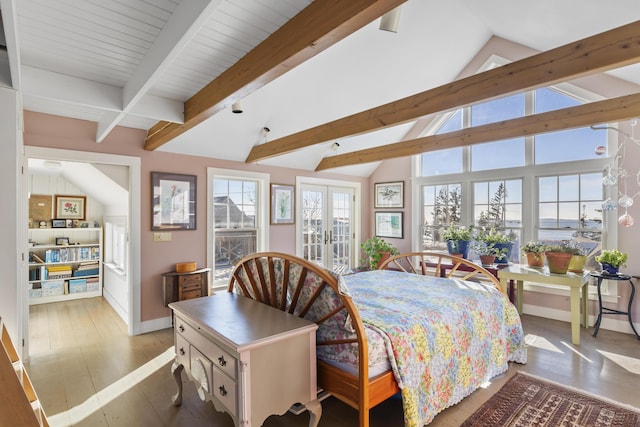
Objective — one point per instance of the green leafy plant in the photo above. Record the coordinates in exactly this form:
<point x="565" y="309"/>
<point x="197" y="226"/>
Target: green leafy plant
<point x="375" y="248"/>
<point x="565" y="247"/>
<point x="533" y="247"/>
<point x="492" y="236"/>
<point x="483" y="248"/>
<point x="613" y="257"/>
<point x="455" y="232"/>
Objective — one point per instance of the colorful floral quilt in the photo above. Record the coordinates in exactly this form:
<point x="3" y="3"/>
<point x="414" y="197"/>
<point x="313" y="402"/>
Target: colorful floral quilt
<point x="445" y="337"/>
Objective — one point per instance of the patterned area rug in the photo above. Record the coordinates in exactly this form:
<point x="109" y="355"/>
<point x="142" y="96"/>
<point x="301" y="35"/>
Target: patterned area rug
<point x="531" y="401"/>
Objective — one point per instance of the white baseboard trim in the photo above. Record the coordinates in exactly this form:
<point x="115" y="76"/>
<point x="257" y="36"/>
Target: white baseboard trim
<point x="618" y="324"/>
<point x="116" y="306"/>
<point x="153" y="325"/>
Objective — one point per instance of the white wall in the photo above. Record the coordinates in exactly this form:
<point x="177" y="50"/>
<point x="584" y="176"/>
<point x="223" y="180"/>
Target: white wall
<point x="12" y="236"/>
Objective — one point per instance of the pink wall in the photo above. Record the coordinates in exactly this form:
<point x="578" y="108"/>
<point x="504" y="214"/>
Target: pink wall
<point x="50" y="131"/>
<point x="391" y="171"/>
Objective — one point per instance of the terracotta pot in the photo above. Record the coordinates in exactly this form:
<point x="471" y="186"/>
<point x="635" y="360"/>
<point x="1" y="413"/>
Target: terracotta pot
<point x="535" y="259"/>
<point x="385" y="256"/>
<point x="576" y="265"/>
<point x="487" y="260"/>
<point x="558" y="262"/>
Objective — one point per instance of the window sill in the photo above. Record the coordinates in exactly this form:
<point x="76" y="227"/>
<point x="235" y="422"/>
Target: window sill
<point x="117" y="270"/>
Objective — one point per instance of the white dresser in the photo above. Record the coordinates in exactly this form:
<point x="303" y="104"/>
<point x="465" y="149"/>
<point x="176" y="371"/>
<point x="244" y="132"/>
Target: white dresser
<point x="251" y="360"/>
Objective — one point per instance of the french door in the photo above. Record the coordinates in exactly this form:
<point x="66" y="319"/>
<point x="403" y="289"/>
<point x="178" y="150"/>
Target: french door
<point x="327" y="233"/>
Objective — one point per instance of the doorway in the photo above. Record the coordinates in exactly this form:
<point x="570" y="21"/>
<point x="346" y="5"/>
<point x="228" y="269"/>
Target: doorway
<point x="327" y="229"/>
<point x="125" y="171"/>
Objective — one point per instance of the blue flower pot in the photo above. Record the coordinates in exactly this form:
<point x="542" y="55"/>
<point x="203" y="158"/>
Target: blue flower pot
<point x="458" y="247"/>
<point x="609" y="269"/>
<point x="505" y="258"/>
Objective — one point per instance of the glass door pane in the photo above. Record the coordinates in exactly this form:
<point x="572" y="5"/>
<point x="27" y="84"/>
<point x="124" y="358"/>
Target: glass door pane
<point x="341" y="235"/>
<point x="313" y="228"/>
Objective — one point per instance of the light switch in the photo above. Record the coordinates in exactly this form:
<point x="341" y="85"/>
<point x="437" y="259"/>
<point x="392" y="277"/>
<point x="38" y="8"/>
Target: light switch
<point x="162" y="237"/>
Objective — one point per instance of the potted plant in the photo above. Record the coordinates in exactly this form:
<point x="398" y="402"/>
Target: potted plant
<point x="611" y="260"/>
<point x="559" y="256"/>
<point x="579" y="259"/>
<point x="534" y="251"/>
<point x="487" y="252"/>
<point x="377" y="251"/>
<point x="497" y="240"/>
<point x="458" y="238"/>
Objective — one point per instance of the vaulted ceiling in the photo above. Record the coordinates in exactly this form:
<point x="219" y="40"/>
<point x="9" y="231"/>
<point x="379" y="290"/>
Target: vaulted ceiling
<point x="175" y="67"/>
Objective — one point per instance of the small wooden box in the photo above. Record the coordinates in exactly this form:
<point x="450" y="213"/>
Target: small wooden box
<point x="186" y="267"/>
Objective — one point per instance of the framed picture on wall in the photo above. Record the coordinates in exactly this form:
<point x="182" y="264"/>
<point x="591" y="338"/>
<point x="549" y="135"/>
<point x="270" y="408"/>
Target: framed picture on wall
<point x="70" y="207"/>
<point x="388" y="195"/>
<point x="173" y="205"/>
<point x="282" y="204"/>
<point x="389" y="224"/>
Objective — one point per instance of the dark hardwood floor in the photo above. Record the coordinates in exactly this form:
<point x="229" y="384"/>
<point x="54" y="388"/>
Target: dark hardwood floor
<point x="88" y="372"/>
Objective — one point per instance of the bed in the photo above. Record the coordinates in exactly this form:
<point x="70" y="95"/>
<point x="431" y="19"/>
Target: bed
<point x="373" y="343"/>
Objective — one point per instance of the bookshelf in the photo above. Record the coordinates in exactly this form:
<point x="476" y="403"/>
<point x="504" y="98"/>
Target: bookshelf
<point x="64" y="264"/>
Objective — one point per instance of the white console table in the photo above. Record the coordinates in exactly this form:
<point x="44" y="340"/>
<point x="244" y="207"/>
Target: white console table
<point x="251" y="360"/>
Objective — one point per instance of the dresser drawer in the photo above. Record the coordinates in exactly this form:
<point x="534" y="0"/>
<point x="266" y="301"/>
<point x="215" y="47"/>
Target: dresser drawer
<point x="226" y="390"/>
<point x="182" y="350"/>
<point x="191" y="279"/>
<point x="189" y="294"/>
<point x="220" y="358"/>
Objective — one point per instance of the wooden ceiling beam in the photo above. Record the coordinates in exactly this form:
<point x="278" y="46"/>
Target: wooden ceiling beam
<point x="314" y="29"/>
<point x="605" y="51"/>
<point x="607" y="111"/>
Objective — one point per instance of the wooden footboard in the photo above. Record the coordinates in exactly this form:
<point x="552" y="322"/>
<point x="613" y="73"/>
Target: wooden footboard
<point x="306" y="290"/>
<point x="344" y="385"/>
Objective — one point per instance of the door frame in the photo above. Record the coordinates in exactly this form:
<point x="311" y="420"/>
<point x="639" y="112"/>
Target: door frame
<point x="357" y="209"/>
<point x="133" y="280"/>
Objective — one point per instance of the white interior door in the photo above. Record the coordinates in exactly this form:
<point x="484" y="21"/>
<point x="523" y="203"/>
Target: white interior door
<point x="327" y="233"/>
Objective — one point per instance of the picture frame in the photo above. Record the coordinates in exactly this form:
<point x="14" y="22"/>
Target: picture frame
<point x="40" y="207"/>
<point x="173" y="203"/>
<point x="58" y="223"/>
<point x="62" y="241"/>
<point x="70" y="207"/>
<point x="388" y="195"/>
<point x="389" y="224"/>
<point x="282" y="204"/>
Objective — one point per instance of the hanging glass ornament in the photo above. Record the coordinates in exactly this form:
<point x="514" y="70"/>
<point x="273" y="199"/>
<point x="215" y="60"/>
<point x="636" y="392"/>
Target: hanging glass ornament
<point x="600" y="150"/>
<point x="625" y="201"/>
<point x="625" y="220"/>
<point x="609" y="179"/>
<point x="609" y="205"/>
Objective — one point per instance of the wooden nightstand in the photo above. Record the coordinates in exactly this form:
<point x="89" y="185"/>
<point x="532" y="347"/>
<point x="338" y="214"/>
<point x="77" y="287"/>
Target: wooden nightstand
<point x="182" y="286"/>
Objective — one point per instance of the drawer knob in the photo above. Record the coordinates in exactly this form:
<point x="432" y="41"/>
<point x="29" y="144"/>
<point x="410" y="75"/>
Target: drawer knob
<point x="223" y="391"/>
<point x="182" y="352"/>
<point x="221" y="361"/>
<point x="181" y="328"/>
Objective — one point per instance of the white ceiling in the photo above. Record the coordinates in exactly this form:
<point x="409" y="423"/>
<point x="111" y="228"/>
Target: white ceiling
<point x="135" y="62"/>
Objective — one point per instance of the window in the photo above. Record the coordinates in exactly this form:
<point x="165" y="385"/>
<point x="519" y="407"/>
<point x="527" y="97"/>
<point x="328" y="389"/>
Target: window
<point x="443" y="162"/>
<point x="115" y="244"/>
<point x="498" y="205"/>
<point x="441" y="207"/>
<point x="238" y="215"/>
<point x="570" y="207"/>
<point x="546" y="187"/>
